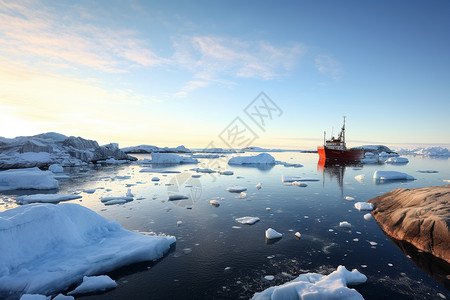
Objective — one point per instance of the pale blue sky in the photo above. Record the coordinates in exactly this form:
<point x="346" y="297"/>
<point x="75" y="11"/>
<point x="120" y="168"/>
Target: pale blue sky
<point x="178" y="72"/>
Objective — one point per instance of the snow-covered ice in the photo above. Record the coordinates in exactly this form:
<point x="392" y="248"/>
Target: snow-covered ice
<point x="177" y="197"/>
<point x="226" y="172"/>
<point x="299" y="184"/>
<point x="262" y="158"/>
<point x="46" y="248"/>
<point x="109" y="199"/>
<point x="345" y="224"/>
<point x="46" y="198"/>
<point x="94" y="284"/>
<point x="368" y="217"/>
<point x="259" y="185"/>
<point x="248" y="220"/>
<point x="297" y="178"/>
<point x="273" y="234"/>
<point x="298" y="235"/>
<point x="56" y="168"/>
<point x="236" y="189"/>
<point x="200" y="170"/>
<point x="363" y="206"/>
<point x="397" y="160"/>
<point x="214" y="203"/>
<point x="348" y="198"/>
<point x="317" y="286"/>
<point x="170" y="158"/>
<point x="360" y="177"/>
<point x="391" y="175"/>
<point x="34" y="297"/>
<point x="29" y="178"/>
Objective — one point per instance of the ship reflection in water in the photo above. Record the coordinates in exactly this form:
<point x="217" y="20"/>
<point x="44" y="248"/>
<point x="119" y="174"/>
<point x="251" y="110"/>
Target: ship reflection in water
<point x="335" y="169"/>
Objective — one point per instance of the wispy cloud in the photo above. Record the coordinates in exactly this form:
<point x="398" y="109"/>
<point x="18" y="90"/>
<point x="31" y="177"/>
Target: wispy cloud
<point x="29" y="33"/>
<point x="191" y="86"/>
<point x="213" y="58"/>
<point x="329" y="66"/>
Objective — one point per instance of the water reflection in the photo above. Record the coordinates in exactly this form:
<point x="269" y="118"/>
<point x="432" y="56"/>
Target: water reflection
<point x="335" y="169"/>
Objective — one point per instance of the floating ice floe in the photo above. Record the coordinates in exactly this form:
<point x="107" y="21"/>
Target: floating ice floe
<point x="200" y="170"/>
<point x="236" y="189"/>
<point x="428" y="171"/>
<point x="46" y="198"/>
<point x="177" y="197"/>
<point x="242" y="195"/>
<point x="363" y="206"/>
<point x="360" y="177"/>
<point x="34" y="297"/>
<point x="288" y="165"/>
<point x="89" y="191"/>
<point x="273" y="234"/>
<point x="297" y="178"/>
<point x="112" y="161"/>
<point x="116" y="200"/>
<point x="56" y="168"/>
<point x="214" y="203"/>
<point x="298" y="235"/>
<point x="196" y="175"/>
<point x="150" y="170"/>
<point x="262" y="158"/>
<point x="397" y="160"/>
<point x="317" y="286"/>
<point x="93" y="284"/>
<point x="205" y="156"/>
<point x="248" y="220"/>
<point x="269" y="277"/>
<point x="368" y="217"/>
<point x="46" y="248"/>
<point x="348" y="198"/>
<point x="63" y="297"/>
<point x="345" y="224"/>
<point x="30" y="178"/>
<point x="299" y="184"/>
<point x="259" y="185"/>
<point x="226" y="173"/>
<point x="170" y="158"/>
<point x="391" y="175"/>
<point x="155" y="179"/>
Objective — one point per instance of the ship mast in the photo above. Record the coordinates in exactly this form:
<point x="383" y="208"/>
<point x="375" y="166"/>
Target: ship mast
<point x="343" y="132"/>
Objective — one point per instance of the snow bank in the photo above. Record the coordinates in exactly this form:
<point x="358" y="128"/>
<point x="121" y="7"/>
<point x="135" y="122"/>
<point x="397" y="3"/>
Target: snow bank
<point x="391" y="175"/>
<point x="363" y="206"/>
<point x="30" y="178"/>
<point x="46" y="248"/>
<point x="170" y="158"/>
<point x="248" y="220"/>
<point x="262" y="158"/>
<point x="93" y="284"/>
<point x="46" y="198"/>
<point x="397" y="160"/>
<point x="317" y="286"/>
<point x="273" y="234"/>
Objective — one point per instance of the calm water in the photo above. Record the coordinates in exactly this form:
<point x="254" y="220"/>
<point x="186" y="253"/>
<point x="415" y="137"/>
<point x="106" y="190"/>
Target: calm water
<point x="209" y="240"/>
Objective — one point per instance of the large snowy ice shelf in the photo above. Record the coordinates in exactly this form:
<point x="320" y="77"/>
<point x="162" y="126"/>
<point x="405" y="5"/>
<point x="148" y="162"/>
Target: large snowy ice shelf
<point x="46" y="248"/>
<point x="317" y="286"/>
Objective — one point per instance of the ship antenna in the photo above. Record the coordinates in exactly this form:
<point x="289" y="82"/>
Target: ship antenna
<point x="343" y="131"/>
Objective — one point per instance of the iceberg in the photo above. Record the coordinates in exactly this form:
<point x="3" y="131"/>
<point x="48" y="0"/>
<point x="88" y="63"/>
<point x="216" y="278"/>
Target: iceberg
<point x="29" y="178"/>
<point x="317" y="286"/>
<point x="273" y="234"/>
<point x="397" y="160"/>
<point x="391" y="175"/>
<point x="46" y="198"/>
<point x="262" y="158"/>
<point x="93" y="284"/>
<point x="46" y="248"/>
<point x="248" y="220"/>
<point x="170" y="158"/>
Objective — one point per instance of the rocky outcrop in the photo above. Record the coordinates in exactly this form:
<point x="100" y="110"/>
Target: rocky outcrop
<point x="419" y="216"/>
<point x="45" y="149"/>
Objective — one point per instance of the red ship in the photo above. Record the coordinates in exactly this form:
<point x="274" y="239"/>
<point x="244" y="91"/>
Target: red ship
<point x="335" y="148"/>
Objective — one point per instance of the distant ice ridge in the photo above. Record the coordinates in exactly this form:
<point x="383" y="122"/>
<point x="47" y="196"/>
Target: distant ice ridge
<point x="170" y="158"/>
<point x="29" y="178"/>
<point x="431" y="151"/>
<point x="154" y="149"/>
<point x="45" y="248"/>
<point x="317" y="286"/>
<point x="46" y="149"/>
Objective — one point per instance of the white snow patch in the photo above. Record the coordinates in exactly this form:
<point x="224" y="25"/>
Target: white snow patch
<point x="317" y="286"/>
<point x="94" y="284"/>
<point x="46" y="248"/>
<point x="272" y="234"/>
<point x="46" y="198"/>
<point x="30" y="178"/>
<point x="363" y="206"/>
<point x="248" y="220"/>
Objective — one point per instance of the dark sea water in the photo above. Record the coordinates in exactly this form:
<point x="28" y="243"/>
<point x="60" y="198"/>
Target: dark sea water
<point x="216" y="257"/>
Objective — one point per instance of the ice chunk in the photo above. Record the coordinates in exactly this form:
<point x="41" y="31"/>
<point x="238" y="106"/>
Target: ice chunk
<point x="397" y="160"/>
<point x="46" y="198"/>
<point x="391" y="175"/>
<point x="258" y="186"/>
<point x="248" y="220"/>
<point x="89" y="191"/>
<point x="269" y="277"/>
<point x="360" y="177"/>
<point x="63" y="297"/>
<point x="226" y="173"/>
<point x="30" y="178"/>
<point x="56" y="168"/>
<point x="262" y="158"/>
<point x="236" y="189"/>
<point x="297" y="178"/>
<point x="345" y="224"/>
<point x="428" y="171"/>
<point x="196" y="176"/>
<point x="348" y="198"/>
<point x="241" y="196"/>
<point x="317" y="286"/>
<point x="34" y="297"/>
<point x="129" y="194"/>
<point x="299" y="184"/>
<point x="170" y="158"/>
<point x="363" y="206"/>
<point x="177" y="197"/>
<point x="214" y="203"/>
<point x="46" y="248"/>
<point x="93" y="284"/>
<point x="120" y="199"/>
<point x="272" y="234"/>
<point x="298" y="235"/>
<point x="368" y="217"/>
<point x="149" y="170"/>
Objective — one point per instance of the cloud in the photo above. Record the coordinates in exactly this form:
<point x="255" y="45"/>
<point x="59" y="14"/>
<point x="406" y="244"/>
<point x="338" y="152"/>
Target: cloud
<point x="328" y="66"/>
<point x="34" y="33"/>
<point x="219" y="59"/>
<point x="191" y="86"/>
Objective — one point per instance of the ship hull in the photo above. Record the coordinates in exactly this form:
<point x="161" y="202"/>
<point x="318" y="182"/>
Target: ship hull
<point x="350" y="154"/>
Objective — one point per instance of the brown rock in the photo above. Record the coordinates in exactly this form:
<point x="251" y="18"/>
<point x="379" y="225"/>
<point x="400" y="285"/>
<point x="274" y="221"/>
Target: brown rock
<point x="419" y="216"/>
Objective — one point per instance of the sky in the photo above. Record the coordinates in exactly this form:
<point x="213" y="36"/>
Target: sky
<point x="273" y="74"/>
